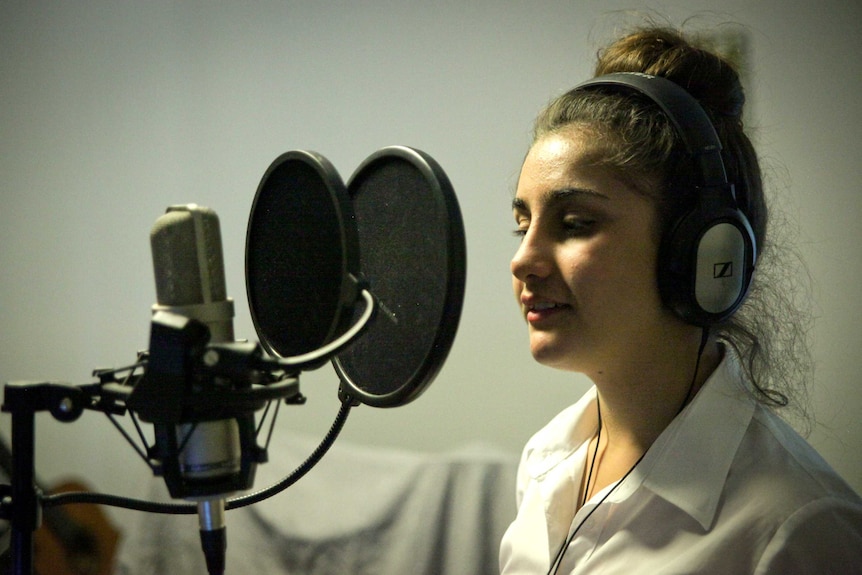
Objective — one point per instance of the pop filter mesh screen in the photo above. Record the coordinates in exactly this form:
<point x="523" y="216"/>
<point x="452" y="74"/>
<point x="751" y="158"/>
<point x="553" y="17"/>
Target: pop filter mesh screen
<point x="295" y="256"/>
<point x="414" y="266"/>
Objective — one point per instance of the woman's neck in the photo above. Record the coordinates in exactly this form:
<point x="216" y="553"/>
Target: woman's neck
<point x="638" y="404"/>
<point x="634" y="411"/>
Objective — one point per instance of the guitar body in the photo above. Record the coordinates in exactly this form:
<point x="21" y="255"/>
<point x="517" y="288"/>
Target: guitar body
<point x="74" y="539"/>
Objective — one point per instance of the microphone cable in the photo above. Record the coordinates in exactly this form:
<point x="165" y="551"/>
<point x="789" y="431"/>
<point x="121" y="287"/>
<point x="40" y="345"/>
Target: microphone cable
<point x="347" y="401"/>
<point x="191" y="509"/>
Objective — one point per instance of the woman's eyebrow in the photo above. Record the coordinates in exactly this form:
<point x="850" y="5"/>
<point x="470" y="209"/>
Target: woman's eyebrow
<point x="560" y="195"/>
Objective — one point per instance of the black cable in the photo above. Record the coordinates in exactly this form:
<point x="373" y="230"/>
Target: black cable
<point x="191" y="509"/>
<point x="304" y="468"/>
<point x="559" y="557"/>
<point x="595" y="454"/>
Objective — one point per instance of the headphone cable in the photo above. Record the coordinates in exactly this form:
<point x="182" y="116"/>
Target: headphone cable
<point x="558" y="559"/>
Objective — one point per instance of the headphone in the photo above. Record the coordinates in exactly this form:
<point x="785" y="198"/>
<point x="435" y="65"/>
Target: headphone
<point x="707" y="255"/>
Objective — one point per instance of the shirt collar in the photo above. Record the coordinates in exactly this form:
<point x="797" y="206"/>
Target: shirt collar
<point x="562" y="436"/>
<point x="688" y="463"/>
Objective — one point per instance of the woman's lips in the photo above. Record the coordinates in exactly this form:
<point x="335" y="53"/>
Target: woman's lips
<point x="540" y="311"/>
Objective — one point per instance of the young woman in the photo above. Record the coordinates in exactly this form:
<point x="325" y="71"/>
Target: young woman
<point x="675" y="461"/>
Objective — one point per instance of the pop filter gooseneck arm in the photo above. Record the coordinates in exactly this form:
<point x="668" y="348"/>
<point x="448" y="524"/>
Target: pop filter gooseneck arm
<point x="315" y="357"/>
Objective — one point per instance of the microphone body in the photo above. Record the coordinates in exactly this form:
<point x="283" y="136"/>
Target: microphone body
<point x="190" y="281"/>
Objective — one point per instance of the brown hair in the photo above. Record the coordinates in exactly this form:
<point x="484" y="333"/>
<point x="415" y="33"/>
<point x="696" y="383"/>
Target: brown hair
<point x="632" y="135"/>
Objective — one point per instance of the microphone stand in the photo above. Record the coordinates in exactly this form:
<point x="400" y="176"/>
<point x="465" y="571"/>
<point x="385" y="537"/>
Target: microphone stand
<point x="179" y="355"/>
<point x="21" y="501"/>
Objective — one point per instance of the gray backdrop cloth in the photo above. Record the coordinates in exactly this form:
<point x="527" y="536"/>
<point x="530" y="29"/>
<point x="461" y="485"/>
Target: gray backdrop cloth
<point x="359" y="511"/>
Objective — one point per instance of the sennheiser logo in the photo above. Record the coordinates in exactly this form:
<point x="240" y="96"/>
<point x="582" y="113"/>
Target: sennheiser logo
<point x="722" y="270"/>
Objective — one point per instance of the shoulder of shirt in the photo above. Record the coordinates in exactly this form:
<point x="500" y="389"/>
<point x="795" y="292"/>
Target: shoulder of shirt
<point x="727" y="446"/>
<point x="822" y="536"/>
<point x="808" y="476"/>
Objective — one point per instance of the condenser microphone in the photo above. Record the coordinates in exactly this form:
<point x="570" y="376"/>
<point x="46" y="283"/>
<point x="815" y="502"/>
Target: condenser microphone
<point x="190" y="281"/>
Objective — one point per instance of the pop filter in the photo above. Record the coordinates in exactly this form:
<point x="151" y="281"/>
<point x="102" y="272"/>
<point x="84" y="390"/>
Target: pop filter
<point x="302" y="255"/>
<point x="413" y="257"/>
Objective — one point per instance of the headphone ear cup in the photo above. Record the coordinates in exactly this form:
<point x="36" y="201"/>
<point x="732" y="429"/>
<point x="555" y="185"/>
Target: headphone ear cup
<point x="705" y="265"/>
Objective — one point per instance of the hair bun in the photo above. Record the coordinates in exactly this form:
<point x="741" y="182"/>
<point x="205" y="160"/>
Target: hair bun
<point x="734" y="102"/>
<point x="710" y="78"/>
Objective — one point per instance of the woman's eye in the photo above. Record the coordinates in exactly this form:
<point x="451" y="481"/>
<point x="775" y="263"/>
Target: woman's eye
<point x="578" y="225"/>
<point x="522" y="224"/>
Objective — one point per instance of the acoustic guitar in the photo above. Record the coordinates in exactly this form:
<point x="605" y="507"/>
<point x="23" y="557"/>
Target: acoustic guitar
<point x="74" y="539"/>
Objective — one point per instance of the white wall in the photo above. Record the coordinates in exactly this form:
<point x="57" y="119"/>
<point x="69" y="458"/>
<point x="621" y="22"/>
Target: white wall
<point x="110" y="111"/>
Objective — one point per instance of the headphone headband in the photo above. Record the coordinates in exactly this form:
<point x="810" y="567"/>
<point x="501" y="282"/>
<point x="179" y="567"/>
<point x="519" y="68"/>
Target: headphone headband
<point x="684" y="111"/>
<point x="706" y="258"/>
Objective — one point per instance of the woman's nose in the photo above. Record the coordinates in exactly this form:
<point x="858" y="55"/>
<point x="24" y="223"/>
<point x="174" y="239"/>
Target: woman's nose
<point x="532" y="258"/>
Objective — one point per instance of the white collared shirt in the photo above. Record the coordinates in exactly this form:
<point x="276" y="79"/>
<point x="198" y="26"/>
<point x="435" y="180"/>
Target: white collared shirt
<point x="727" y="488"/>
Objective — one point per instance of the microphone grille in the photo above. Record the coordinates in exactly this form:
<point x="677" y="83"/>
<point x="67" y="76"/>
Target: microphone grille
<point x="187" y="256"/>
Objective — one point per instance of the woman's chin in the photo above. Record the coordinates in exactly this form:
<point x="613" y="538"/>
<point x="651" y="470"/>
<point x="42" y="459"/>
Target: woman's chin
<point x="550" y="355"/>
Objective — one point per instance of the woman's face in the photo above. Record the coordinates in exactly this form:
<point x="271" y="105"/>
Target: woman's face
<point x="585" y="271"/>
